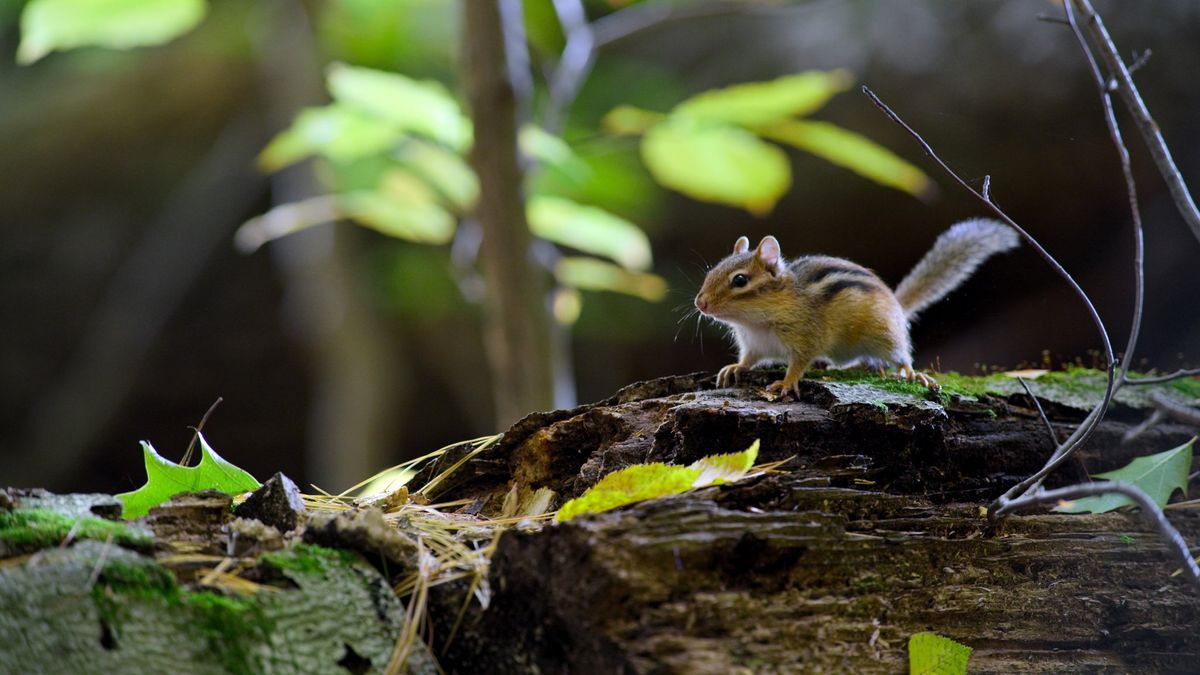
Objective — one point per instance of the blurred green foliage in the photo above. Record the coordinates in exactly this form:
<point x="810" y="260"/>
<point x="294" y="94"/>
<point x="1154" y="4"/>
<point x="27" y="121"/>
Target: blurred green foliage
<point x="390" y="148"/>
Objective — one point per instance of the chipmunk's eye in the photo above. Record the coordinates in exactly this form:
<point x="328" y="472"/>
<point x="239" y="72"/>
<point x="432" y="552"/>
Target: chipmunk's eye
<point x="739" y="280"/>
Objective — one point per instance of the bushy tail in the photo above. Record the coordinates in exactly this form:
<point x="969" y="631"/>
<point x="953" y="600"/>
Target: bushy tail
<point x="953" y="260"/>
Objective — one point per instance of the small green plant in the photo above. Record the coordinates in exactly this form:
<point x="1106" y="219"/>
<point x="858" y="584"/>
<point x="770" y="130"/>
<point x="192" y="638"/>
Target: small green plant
<point x="165" y="479"/>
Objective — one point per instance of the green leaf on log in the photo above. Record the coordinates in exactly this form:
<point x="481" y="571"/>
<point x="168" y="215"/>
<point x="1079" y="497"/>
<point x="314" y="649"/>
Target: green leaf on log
<point x="647" y="481"/>
<point x="932" y="654"/>
<point x="165" y="479"/>
<point x="1158" y="475"/>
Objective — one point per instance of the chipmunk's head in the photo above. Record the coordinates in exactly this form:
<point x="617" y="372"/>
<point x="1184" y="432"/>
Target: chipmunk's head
<point x="739" y="288"/>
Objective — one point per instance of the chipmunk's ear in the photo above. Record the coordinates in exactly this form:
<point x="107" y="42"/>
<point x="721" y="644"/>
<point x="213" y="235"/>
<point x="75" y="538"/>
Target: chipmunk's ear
<point x="741" y="245"/>
<point x="768" y="253"/>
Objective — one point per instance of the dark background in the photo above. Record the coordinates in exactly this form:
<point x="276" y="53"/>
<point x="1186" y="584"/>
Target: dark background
<point x="125" y="311"/>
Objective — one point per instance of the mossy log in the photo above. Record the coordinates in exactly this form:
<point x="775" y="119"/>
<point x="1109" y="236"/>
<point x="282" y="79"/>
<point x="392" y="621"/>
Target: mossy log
<point x="873" y="531"/>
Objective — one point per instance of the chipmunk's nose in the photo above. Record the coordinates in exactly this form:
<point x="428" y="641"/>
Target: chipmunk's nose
<point x="701" y="303"/>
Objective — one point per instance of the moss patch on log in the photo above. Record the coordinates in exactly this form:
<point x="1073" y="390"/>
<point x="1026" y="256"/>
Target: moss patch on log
<point x="28" y="530"/>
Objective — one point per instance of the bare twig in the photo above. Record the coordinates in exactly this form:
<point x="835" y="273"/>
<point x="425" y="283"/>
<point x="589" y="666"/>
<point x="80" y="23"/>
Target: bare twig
<point x="1175" y="411"/>
<point x="1159" y="152"/>
<point x="1118" y="141"/>
<point x="1157" y="379"/>
<point x="1148" y="510"/>
<point x="578" y="56"/>
<point x="1154" y="418"/>
<point x="1041" y="412"/>
<point x="1139" y="60"/>
<point x="1087" y="427"/>
<point x="187" y="455"/>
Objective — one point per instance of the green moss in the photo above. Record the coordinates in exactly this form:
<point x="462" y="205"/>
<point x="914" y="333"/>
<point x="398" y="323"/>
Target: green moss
<point x="232" y="626"/>
<point x="26" y="530"/>
<point x="308" y="559"/>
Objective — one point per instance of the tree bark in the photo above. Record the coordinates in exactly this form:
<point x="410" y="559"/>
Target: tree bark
<point x="516" y="323"/>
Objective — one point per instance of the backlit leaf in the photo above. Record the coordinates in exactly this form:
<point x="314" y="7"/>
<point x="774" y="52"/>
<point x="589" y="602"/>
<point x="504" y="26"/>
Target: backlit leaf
<point x="1158" y="475"/>
<point x="757" y="103"/>
<point x="421" y="107"/>
<point x="165" y="479"/>
<point x="932" y="654"/>
<point x="626" y="120"/>
<point x="48" y="25"/>
<point x="396" y="215"/>
<point x="589" y="229"/>
<point x="648" y="481"/>
<point x="338" y="132"/>
<point x="717" y="164"/>
<point x="591" y="274"/>
<point x="445" y="171"/>
<point x="851" y="151"/>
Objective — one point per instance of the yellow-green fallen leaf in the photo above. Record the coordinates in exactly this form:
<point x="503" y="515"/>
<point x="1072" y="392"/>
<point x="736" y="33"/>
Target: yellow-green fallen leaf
<point x="647" y="481"/>
<point x="932" y="654"/>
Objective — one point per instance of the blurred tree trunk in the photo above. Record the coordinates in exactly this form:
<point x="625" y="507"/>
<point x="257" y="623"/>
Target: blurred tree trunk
<point x="516" y="324"/>
<point x="358" y="386"/>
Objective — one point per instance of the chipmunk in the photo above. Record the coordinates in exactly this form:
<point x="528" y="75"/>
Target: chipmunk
<point x="820" y="307"/>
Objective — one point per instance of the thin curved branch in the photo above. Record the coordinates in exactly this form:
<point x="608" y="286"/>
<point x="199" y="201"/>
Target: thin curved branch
<point x="1085" y="430"/>
<point x="1158" y="379"/>
<point x="1141" y="114"/>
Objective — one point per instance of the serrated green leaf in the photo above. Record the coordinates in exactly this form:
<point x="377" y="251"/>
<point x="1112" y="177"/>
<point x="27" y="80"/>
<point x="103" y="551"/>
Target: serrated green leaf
<point x="589" y="229"/>
<point x="335" y="131"/>
<point x="717" y="469"/>
<point x="932" y="654"/>
<point x="1158" y="475"/>
<point x="720" y="164"/>
<point x="626" y="120"/>
<point x="647" y="481"/>
<point x="851" y="151"/>
<point x="421" y="107"/>
<point x="165" y="479"/>
<point x="756" y="103"/>
<point x="49" y="25"/>
<point x="399" y="215"/>
<point x="591" y="274"/>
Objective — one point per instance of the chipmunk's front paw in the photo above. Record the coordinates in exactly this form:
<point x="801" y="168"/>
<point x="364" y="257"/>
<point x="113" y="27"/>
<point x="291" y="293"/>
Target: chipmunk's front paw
<point x="907" y="373"/>
<point x="781" y="388"/>
<point x="728" y="376"/>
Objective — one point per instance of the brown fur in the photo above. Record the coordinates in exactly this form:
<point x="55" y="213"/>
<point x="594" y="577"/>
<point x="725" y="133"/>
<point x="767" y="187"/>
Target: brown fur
<point x="816" y="307"/>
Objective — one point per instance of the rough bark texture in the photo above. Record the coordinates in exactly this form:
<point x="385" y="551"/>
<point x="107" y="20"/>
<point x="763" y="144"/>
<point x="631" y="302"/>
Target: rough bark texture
<point x="874" y="533"/>
<point x="871" y="533"/>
